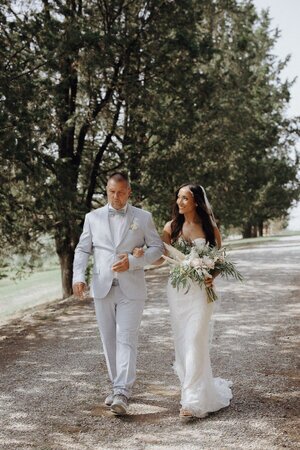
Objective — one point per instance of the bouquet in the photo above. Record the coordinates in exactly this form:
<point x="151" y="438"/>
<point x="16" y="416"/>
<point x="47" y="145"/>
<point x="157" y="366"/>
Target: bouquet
<point x="190" y="262"/>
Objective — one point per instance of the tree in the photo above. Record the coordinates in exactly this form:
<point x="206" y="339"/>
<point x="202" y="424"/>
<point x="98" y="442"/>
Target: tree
<point x="93" y="76"/>
<point x="168" y="89"/>
<point x="20" y="175"/>
<point x="240" y="145"/>
<point x="257" y="135"/>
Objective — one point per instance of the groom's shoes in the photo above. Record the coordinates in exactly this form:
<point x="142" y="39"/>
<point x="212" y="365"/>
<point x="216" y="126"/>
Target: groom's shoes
<point x="119" y="405"/>
<point x="109" y="400"/>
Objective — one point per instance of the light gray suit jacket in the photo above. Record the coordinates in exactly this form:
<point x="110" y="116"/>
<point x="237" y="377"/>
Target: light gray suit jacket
<point x="96" y="239"/>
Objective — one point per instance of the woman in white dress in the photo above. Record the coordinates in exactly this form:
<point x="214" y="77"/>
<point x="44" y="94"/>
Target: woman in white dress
<point x="193" y="221"/>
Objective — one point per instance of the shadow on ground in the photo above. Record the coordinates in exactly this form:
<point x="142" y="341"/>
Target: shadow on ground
<point x="53" y="375"/>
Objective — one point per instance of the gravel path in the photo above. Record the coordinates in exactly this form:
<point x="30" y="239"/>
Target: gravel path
<point x="53" y="376"/>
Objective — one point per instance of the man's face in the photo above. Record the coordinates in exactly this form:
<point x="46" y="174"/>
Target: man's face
<point x="118" y="193"/>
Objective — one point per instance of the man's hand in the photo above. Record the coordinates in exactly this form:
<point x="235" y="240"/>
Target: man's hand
<point x="78" y="290"/>
<point x="122" y="265"/>
<point x="138" y="252"/>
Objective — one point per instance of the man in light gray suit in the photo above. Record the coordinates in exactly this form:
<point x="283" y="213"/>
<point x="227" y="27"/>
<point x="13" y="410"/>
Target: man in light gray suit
<point x="111" y="233"/>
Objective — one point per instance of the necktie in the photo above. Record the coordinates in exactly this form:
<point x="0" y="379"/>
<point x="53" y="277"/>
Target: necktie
<point x="116" y="212"/>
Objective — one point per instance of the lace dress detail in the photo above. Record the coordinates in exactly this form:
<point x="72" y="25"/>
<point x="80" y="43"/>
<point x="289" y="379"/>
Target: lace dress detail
<point x="190" y="318"/>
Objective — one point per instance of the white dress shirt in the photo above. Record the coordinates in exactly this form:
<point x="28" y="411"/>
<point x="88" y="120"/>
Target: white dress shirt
<point x="117" y="224"/>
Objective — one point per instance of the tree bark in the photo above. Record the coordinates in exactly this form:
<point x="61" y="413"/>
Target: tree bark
<point x="261" y="228"/>
<point x="65" y="245"/>
<point x="66" y="266"/>
<point x="247" y="231"/>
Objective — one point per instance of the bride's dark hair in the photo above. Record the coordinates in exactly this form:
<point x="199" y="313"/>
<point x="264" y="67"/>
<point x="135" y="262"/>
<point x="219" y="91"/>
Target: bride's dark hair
<point x="201" y="209"/>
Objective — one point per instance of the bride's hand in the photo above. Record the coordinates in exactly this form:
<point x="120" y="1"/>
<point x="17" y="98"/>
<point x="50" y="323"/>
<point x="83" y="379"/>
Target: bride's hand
<point x="138" y="252"/>
<point x="209" y="282"/>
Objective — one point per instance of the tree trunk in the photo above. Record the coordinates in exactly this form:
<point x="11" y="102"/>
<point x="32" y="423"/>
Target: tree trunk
<point x="247" y="231"/>
<point x="254" y="231"/>
<point x="65" y="245"/>
<point x="66" y="267"/>
<point x="261" y="228"/>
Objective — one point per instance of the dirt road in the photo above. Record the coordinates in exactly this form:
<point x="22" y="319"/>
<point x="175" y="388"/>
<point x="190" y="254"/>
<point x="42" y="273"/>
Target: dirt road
<point x="53" y="376"/>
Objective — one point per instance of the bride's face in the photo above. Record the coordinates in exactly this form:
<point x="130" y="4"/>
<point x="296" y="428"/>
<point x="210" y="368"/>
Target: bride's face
<point x="185" y="201"/>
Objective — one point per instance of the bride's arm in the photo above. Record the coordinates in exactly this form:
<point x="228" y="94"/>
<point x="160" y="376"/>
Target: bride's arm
<point x="167" y="233"/>
<point x="166" y="237"/>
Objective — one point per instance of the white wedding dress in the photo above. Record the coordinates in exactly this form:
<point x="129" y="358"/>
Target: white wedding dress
<point x="190" y="317"/>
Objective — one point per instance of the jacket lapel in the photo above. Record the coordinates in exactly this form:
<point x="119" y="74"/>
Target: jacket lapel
<point x="106" y="223"/>
<point x="129" y="219"/>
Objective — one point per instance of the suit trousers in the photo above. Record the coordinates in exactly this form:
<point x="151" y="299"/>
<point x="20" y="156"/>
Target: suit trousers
<point x="119" y="320"/>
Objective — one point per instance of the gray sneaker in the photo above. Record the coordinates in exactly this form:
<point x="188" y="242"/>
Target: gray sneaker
<point x="109" y="399"/>
<point x="119" y="405"/>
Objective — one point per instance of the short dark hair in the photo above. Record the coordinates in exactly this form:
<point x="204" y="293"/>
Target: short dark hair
<point x="119" y="176"/>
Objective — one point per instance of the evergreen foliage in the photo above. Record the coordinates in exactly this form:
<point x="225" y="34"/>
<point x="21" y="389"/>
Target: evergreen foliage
<point x="170" y="90"/>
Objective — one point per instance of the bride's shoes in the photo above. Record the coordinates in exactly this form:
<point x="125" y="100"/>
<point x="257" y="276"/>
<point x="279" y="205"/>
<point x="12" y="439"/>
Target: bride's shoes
<point x="185" y="415"/>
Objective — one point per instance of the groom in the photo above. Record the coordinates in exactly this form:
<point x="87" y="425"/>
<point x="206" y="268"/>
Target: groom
<point x="111" y="233"/>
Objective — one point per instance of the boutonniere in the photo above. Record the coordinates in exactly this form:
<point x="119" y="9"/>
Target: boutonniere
<point x="134" y="226"/>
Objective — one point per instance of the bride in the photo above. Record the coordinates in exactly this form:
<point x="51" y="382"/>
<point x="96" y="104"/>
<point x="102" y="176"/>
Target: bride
<point x="193" y="222"/>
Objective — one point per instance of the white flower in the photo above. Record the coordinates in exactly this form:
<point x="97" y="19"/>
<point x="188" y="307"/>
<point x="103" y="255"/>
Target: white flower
<point x="196" y="262"/>
<point x="208" y="262"/>
<point x="134" y="226"/>
<point x="199" y="245"/>
<point x="193" y="254"/>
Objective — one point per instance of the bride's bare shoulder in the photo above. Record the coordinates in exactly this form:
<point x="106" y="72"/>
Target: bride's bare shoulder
<point x="167" y="226"/>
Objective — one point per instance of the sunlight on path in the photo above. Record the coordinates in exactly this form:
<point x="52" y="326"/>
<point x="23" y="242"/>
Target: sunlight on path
<point x="38" y="288"/>
<point x="54" y="379"/>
